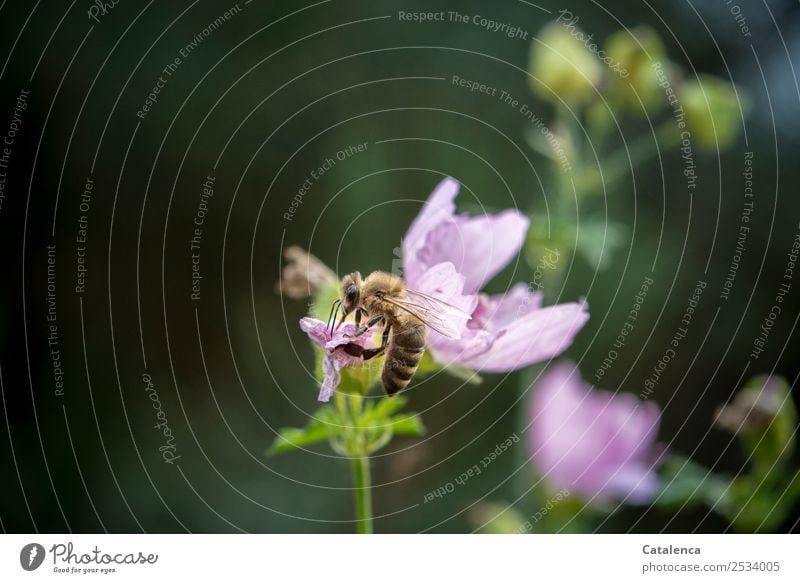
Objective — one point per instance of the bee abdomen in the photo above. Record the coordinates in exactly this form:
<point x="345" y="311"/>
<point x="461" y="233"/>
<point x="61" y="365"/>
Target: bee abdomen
<point x="403" y="356"/>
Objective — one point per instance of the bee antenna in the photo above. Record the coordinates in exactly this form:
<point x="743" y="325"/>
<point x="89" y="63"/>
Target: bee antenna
<point x="332" y="316"/>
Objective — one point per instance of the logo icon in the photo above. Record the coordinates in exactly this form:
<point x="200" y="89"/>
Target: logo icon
<point x="31" y="556"/>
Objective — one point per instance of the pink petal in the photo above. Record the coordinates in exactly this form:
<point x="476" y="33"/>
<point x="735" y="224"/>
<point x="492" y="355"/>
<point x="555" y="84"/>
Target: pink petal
<point x="444" y="283"/>
<point x="500" y="310"/>
<point x="472" y="344"/>
<point x="344" y="335"/>
<point x="317" y="330"/>
<point x="335" y="359"/>
<point x="636" y="482"/>
<point x="479" y="247"/>
<point x="534" y="337"/>
<point x="439" y="207"/>
<point x="597" y="443"/>
<point x="331" y="377"/>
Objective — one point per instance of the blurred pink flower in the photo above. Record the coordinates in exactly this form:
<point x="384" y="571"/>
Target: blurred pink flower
<point x="597" y="444"/>
<point x="335" y="358"/>
<point x="451" y="257"/>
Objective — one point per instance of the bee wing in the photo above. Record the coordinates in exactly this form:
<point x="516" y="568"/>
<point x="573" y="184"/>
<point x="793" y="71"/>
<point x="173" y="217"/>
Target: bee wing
<point x="437" y="304"/>
<point x="434" y="313"/>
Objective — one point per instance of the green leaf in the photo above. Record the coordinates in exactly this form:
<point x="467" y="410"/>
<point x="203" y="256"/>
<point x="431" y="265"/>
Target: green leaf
<point x="761" y="502"/>
<point x="408" y="424"/>
<point x="380" y="413"/>
<point x="686" y="482"/>
<point x="378" y="438"/>
<point x="322" y="427"/>
<point x="598" y="240"/>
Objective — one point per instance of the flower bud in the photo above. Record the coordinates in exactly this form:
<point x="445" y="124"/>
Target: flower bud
<point x="562" y="65"/>
<point x="497" y="518"/>
<point x="713" y="113"/>
<point x="631" y="54"/>
<point x="303" y="275"/>
<point x="763" y="415"/>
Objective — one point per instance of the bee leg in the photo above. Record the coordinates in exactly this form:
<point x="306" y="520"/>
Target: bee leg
<point x="365" y="353"/>
<point x="370" y="323"/>
<point x="372" y="352"/>
<point x="385" y="337"/>
<point x="354" y="349"/>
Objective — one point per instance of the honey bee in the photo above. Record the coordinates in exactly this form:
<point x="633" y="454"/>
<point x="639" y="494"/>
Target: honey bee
<point x="405" y="315"/>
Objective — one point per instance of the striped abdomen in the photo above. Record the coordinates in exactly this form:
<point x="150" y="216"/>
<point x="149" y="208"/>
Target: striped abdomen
<point x="403" y="352"/>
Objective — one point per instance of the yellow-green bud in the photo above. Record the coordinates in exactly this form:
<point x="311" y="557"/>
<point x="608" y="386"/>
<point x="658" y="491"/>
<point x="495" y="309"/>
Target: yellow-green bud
<point x="713" y="113"/>
<point x="562" y="66"/>
<point x="632" y="53"/>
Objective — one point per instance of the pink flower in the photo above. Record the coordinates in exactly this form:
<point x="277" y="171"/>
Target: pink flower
<point x="597" y="444"/>
<point x="452" y="257"/>
<point x="335" y="358"/>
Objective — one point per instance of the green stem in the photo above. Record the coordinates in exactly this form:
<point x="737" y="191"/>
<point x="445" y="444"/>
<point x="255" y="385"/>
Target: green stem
<point x="363" y="494"/>
<point x="622" y="161"/>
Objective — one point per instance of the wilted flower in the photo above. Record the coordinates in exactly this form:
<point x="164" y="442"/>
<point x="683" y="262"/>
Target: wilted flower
<point x="562" y="64"/>
<point x="754" y="407"/>
<point x="598" y="444"/>
<point x="335" y="357"/>
<point x="764" y="417"/>
<point x="303" y="275"/>
<point x="451" y="257"/>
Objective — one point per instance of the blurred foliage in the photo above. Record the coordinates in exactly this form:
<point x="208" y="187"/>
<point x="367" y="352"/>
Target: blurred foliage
<point x="763" y="419"/>
<point x="597" y="89"/>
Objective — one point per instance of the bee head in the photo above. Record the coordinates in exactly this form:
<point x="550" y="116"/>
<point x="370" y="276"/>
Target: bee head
<point x="350" y="292"/>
